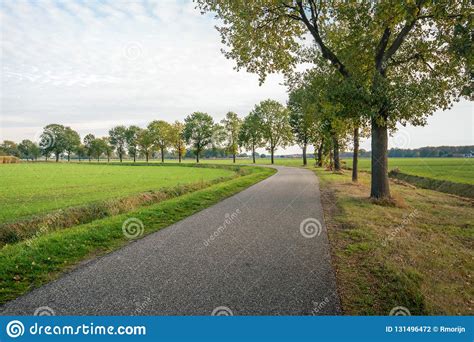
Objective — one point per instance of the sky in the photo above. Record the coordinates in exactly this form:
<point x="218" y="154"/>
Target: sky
<point x="92" y="65"/>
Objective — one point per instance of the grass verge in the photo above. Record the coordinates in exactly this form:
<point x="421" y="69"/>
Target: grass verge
<point x="417" y="254"/>
<point x="25" y="266"/>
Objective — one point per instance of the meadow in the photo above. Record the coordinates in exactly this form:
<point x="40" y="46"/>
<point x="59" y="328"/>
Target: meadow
<point x="458" y="170"/>
<point x="34" y="188"/>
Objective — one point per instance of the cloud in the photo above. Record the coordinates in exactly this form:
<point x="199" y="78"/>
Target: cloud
<point x="87" y="63"/>
<point x="91" y="64"/>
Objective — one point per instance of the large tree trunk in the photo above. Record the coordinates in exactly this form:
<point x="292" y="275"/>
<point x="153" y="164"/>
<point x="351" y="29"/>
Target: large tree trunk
<point x="253" y="154"/>
<point x="305" y="161"/>
<point x="108" y="159"/>
<point x="134" y="157"/>
<point x="337" y="162"/>
<point x="162" y="155"/>
<point x="179" y="155"/>
<point x="379" y="184"/>
<point x="272" y="151"/>
<point x="146" y="156"/>
<point x="197" y="156"/>
<point x="69" y="156"/>
<point x="233" y="158"/>
<point x="320" y="153"/>
<point x="355" y="157"/>
<point x="57" y="157"/>
<point x="120" y="157"/>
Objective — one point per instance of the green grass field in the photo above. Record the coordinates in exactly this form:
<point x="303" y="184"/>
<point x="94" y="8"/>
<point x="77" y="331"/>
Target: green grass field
<point x="458" y="170"/>
<point x="34" y="188"/>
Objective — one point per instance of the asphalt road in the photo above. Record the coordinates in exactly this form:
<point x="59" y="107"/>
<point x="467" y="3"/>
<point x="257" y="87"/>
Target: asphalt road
<point x="268" y="255"/>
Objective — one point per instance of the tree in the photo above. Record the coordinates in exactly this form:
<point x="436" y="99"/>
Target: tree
<point x="108" y="147"/>
<point x="177" y="139"/>
<point x="232" y="125"/>
<point x="145" y="141"/>
<point x="360" y="129"/>
<point x="302" y="119"/>
<point x="198" y="130"/>
<point x="98" y="147"/>
<point x="54" y="140"/>
<point x="131" y="136"/>
<point x="160" y="130"/>
<point x="404" y="59"/>
<point x="88" y="145"/>
<point x="9" y="148"/>
<point x="274" y="123"/>
<point x="81" y="152"/>
<point x="118" y="139"/>
<point x="250" y="134"/>
<point x="28" y="150"/>
<point x="72" y="141"/>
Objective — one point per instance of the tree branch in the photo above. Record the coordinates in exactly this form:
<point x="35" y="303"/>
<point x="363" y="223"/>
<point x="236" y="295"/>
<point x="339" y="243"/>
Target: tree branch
<point x="403" y="33"/>
<point x="403" y="61"/>
<point x="314" y="30"/>
<point x="382" y="45"/>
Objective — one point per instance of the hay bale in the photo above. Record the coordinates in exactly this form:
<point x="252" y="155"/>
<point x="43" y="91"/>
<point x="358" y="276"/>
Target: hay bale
<point x="9" y="160"/>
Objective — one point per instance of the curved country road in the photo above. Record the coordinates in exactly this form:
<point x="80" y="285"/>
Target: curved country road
<point x="258" y="262"/>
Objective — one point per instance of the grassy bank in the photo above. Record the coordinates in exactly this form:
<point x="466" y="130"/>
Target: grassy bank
<point x="460" y="189"/>
<point x="29" y="264"/>
<point x="417" y="254"/>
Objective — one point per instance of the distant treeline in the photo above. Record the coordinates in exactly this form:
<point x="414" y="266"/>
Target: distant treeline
<point x="422" y="152"/>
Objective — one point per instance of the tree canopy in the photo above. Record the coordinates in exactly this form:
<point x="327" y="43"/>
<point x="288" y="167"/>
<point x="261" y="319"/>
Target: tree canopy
<point x="274" y="124"/>
<point x="232" y="125"/>
<point x="199" y="131"/>
<point x="250" y="134"/>
<point x="402" y="59"/>
<point x="160" y="130"/>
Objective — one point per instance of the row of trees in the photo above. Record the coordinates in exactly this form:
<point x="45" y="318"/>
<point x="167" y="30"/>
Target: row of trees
<point x="372" y="64"/>
<point x="268" y="125"/>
